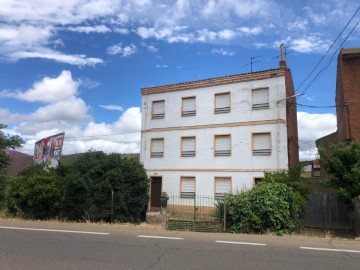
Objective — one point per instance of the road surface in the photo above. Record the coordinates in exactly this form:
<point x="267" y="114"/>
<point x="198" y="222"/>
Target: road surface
<point x="51" y="245"/>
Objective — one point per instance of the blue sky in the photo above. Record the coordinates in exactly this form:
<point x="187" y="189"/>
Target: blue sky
<point x="78" y="65"/>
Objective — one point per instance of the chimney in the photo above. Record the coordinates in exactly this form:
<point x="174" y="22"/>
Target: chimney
<point x="282" y="62"/>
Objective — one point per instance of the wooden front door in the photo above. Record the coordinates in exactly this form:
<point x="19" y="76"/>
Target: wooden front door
<point x="155" y="192"/>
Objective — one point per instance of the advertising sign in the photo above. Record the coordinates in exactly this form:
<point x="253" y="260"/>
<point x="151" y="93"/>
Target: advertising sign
<point x="48" y="150"/>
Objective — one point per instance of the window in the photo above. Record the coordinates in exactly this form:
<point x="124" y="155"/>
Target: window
<point x="261" y="144"/>
<point x="315" y="170"/>
<point x="188" y="146"/>
<point x="188" y="106"/>
<point x="257" y="180"/>
<point x="222" y="103"/>
<point x="158" y="109"/>
<point x="222" y="187"/>
<point x="222" y="145"/>
<point x="187" y="187"/>
<point x="157" y="148"/>
<point x="260" y="98"/>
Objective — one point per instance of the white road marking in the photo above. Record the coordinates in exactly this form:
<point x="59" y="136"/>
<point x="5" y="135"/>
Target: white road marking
<point x="48" y="230"/>
<point x="331" y="249"/>
<point x="160" y="237"/>
<point x="241" y="243"/>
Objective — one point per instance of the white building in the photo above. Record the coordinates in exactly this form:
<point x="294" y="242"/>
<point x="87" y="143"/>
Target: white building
<point x="218" y="135"/>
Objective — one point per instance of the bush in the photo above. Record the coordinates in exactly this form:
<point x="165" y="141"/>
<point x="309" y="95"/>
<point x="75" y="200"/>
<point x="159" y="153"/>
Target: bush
<point x="92" y="187"/>
<point x="267" y="207"/>
<point x="34" y="194"/>
<point x="94" y="179"/>
<point x="342" y="161"/>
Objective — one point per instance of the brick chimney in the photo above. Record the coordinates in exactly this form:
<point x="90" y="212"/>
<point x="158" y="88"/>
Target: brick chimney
<point x="282" y="62"/>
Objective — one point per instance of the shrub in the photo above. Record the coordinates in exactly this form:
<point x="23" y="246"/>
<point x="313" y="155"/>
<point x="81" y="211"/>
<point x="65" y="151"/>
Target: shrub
<point x="342" y="161"/>
<point x="100" y="187"/>
<point x="267" y="207"/>
<point x="34" y="193"/>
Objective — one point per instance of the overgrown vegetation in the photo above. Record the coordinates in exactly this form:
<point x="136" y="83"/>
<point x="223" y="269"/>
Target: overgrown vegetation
<point x="92" y="187"/>
<point x="6" y="142"/>
<point x="342" y="161"/>
<point x="276" y="204"/>
<point x="34" y="194"/>
<point x="100" y="187"/>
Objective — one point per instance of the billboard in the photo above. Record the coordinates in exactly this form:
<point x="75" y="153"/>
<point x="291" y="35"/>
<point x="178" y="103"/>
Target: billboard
<point x="48" y="150"/>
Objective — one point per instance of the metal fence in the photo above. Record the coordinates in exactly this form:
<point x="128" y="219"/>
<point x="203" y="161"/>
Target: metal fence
<point x="357" y="216"/>
<point x="193" y="207"/>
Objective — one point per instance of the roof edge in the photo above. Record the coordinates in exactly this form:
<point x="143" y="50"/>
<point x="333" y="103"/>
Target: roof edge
<point x="259" y="75"/>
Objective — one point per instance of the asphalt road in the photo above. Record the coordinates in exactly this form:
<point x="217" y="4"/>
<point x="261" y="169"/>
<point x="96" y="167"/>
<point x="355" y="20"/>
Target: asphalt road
<point x="51" y="245"/>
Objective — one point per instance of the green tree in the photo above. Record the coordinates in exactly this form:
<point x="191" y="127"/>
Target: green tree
<point x="266" y="207"/>
<point x="277" y="203"/>
<point x="6" y="142"/>
<point x="342" y="161"/>
<point x="34" y="193"/>
<point x="100" y="187"/>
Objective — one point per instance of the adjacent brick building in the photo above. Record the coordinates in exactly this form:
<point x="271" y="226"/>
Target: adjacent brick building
<point x="348" y="95"/>
<point x="347" y="99"/>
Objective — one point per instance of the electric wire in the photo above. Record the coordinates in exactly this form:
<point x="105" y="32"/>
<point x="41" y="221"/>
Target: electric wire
<point x="336" y="51"/>
<point x="323" y="57"/>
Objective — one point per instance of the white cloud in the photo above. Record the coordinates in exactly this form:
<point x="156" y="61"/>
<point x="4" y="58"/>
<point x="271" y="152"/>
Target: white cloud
<point x="250" y="31"/>
<point x="24" y="36"/>
<point x="312" y="127"/>
<point x="306" y="44"/>
<point x="223" y="52"/>
<point x="259" y="45"/>
<point x="30" y="27"/>
<point x="74" y="59"/>
<point x="150" y="48"/>
<point x="161" y="66"/>
<point x="298" y="24"/>
<point x="60" y="111"/>
<point x="88" y="83"/>
<point x="112" y="107"/>
<point x="122" y="30"/>
<point x="89" y="29"/>
<point x="49" y="89"/>
<point x="227" y="34"/>
<point x="123" y="51"/>
<point x="121" y="136"/>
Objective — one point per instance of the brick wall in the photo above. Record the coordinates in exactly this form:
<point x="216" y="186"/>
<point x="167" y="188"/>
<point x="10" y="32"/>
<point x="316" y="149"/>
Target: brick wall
<point x="348" y="95"/>
<point x="291" y="120"/>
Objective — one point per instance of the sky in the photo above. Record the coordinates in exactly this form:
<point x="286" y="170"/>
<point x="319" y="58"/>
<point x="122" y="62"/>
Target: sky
<point x="78" y="66"/>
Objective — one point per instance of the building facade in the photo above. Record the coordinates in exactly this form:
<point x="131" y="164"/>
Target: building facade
<point x="218" y="135"/>
<point x="348" y="95"/>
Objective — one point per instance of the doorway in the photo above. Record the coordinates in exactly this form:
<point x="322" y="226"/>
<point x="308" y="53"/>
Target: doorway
<point x="156" y="182"/>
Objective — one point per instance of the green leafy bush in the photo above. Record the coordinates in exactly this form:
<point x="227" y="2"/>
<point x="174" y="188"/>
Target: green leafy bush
<point x="342" y="161"/>
<point x="6" y="142"/>
<point x="267" y="207"/>
<point x="91" y="187"/>
<point x="100" y="187"/>
<point x="34" y="194"/>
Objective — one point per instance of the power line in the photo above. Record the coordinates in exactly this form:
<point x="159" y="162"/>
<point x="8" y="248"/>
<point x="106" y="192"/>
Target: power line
<point x="322" y="58"/>
<point x="312" y="106"/>
<point x="332" y="57"/>
<point x="105" y="135"/>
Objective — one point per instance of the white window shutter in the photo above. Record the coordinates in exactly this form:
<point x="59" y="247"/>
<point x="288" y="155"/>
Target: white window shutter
<point x="260" y="98"/>
<point x="158" y="110"/>
<point x="262" y="144"/>
<point x="187" y="187"/>
<point x="222" y="185"/>
<point x="222" y="103"/>
<point x="157" y="148"/>
<point x="188" y="147"/>
<point x="189" y="106"/>
<point x="223" y="145"/>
